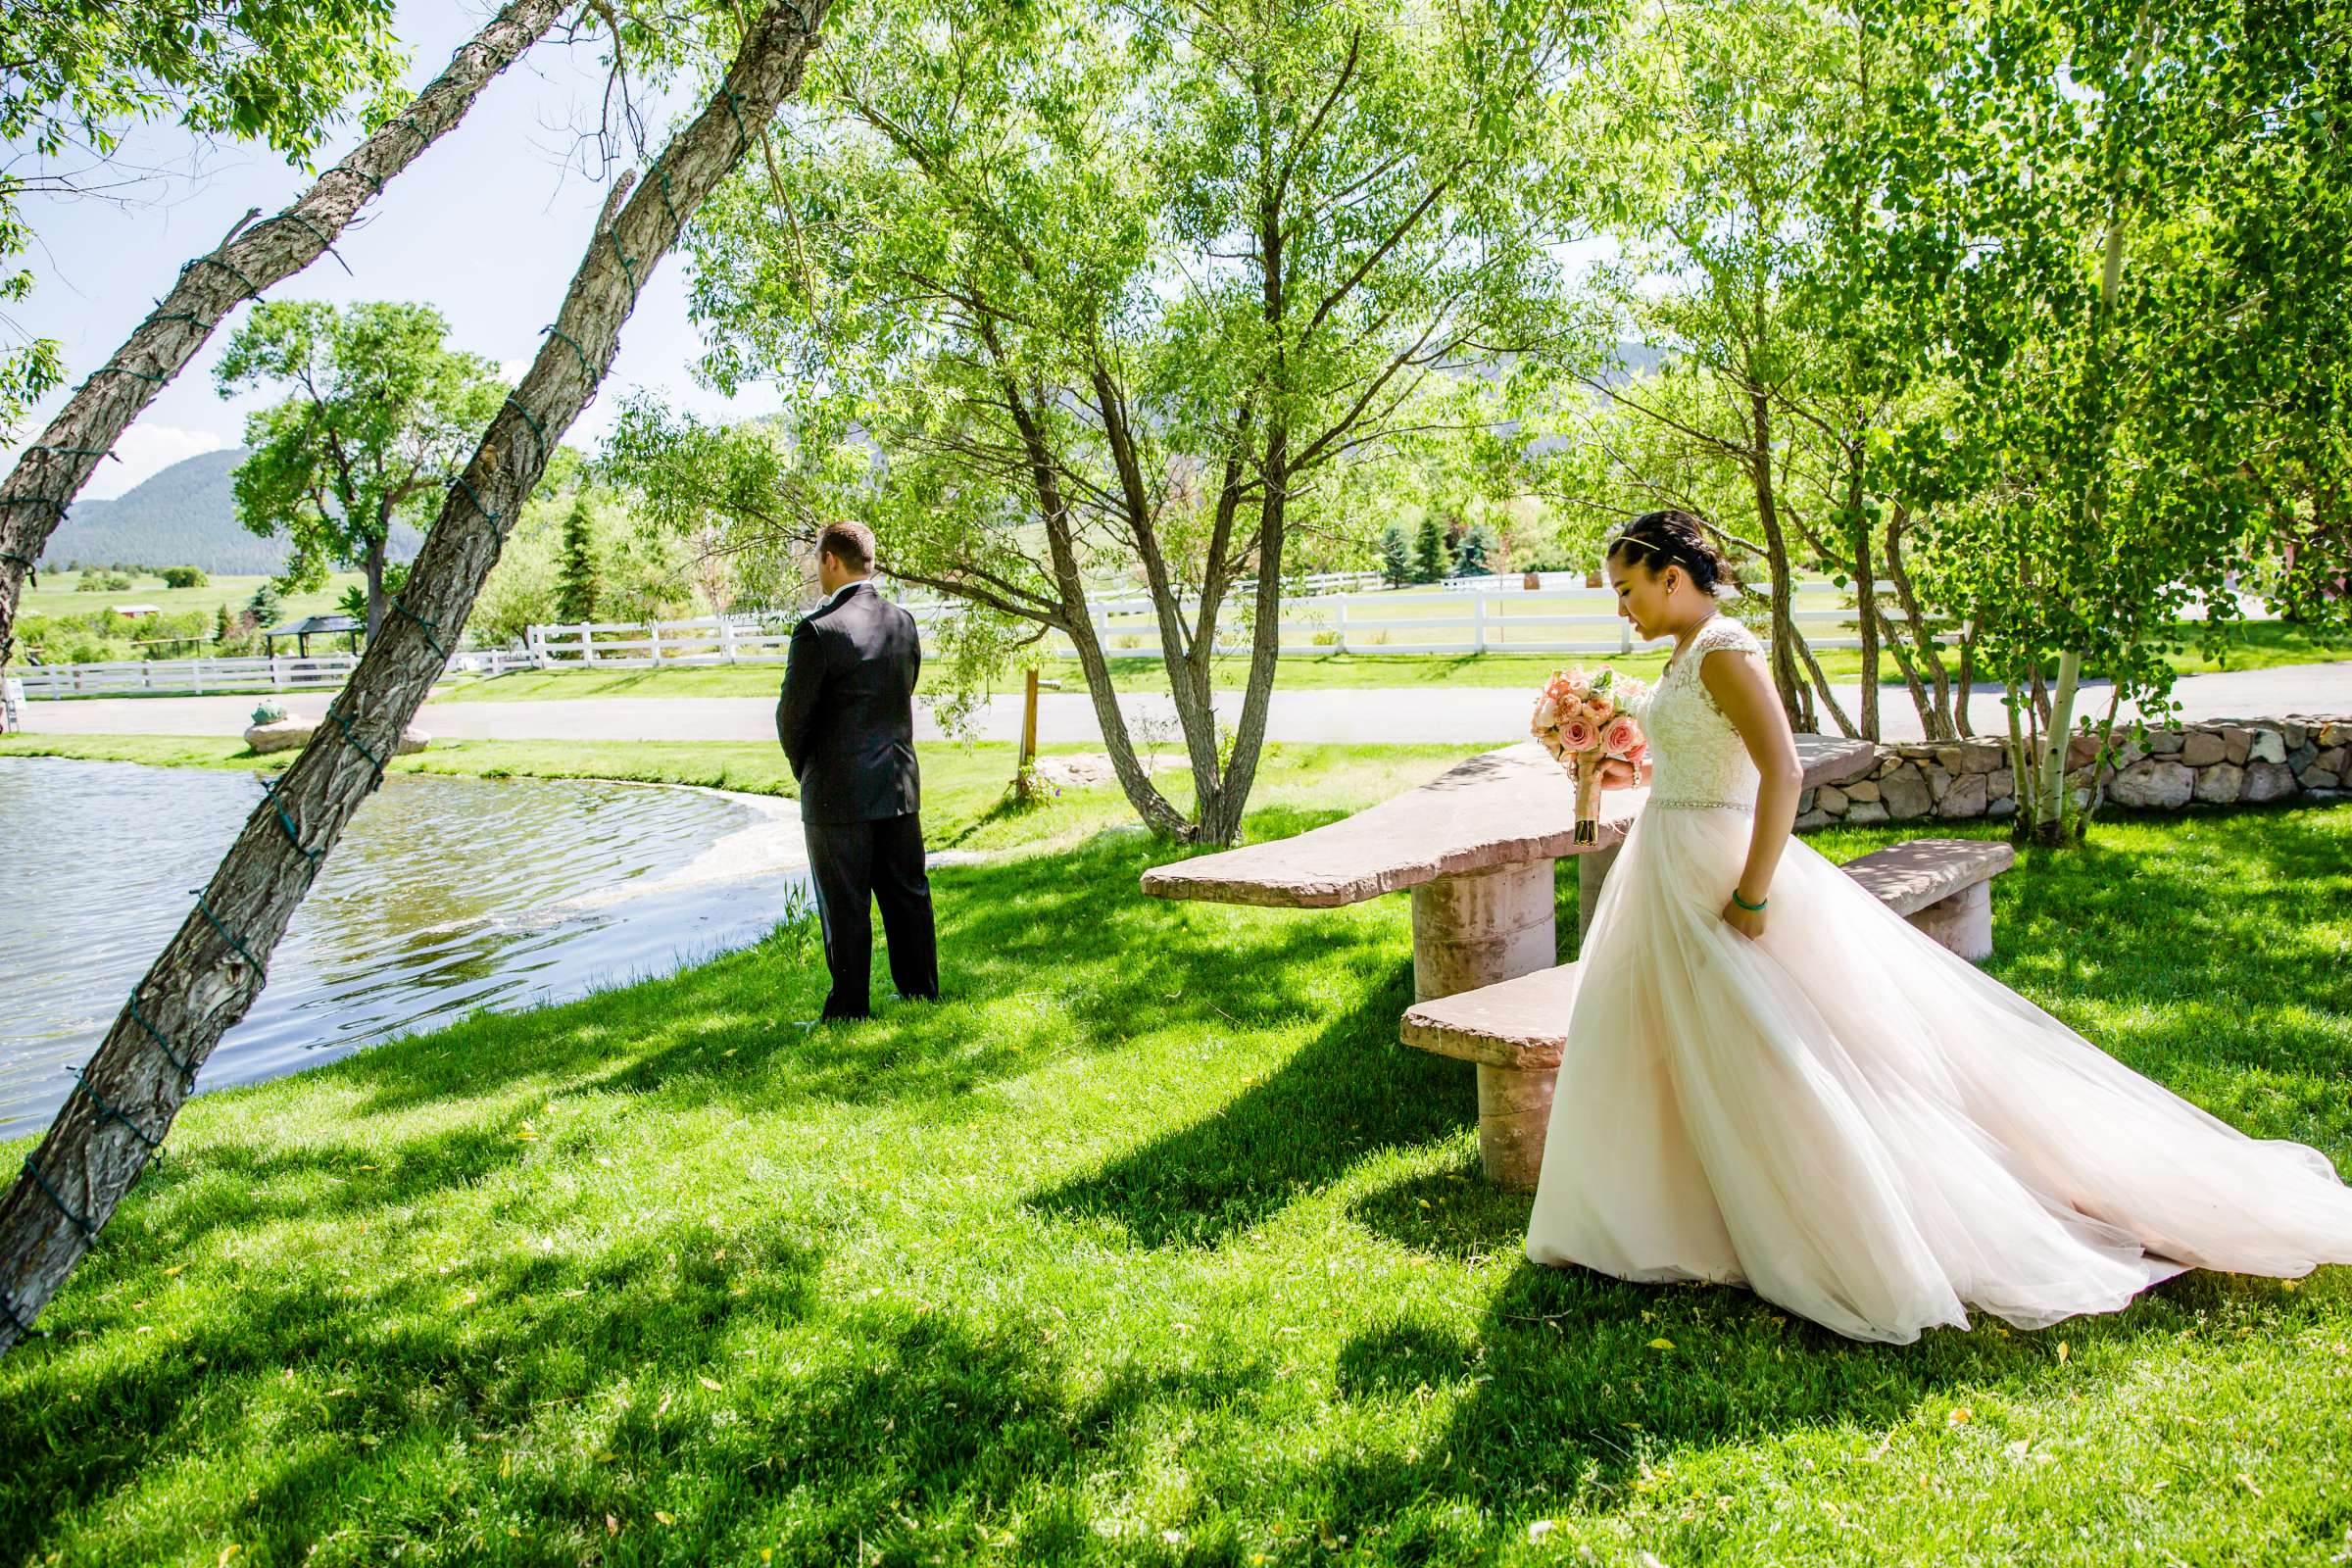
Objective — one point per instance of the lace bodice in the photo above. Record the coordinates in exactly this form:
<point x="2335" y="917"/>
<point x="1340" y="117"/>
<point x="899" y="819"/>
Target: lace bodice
<point x="1697" y="758"/>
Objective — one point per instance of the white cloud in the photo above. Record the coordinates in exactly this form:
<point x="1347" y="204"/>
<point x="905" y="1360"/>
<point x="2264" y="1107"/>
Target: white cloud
<point x="512" y="371"/>
<point x="145" y="451"/>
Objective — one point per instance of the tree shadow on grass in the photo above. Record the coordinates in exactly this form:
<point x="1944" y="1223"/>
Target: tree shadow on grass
<point x="1349" y="1091"/>
<point x="1580" y="1383"/>
<point x="370" y="1373"/>
<point x="603" y="1426"/>
<point x="1069" y="934"/>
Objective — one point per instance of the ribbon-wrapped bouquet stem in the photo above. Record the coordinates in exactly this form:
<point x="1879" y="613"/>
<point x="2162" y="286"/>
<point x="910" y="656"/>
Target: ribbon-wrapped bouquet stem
<point x="1586" y="720"/>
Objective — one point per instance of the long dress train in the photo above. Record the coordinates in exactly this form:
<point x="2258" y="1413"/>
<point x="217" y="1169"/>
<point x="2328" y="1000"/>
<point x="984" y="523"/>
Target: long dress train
<point x="1854" y="1121"/>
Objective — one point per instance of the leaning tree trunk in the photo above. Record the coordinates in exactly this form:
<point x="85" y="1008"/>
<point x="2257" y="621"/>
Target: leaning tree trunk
<point x="51" y="473"/>
<point x="213" y="966"/>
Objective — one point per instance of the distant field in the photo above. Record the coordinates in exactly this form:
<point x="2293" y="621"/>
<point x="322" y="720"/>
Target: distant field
<point x="57" y="595"/>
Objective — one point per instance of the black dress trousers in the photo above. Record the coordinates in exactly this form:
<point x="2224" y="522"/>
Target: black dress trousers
<point x="856" y="866"/>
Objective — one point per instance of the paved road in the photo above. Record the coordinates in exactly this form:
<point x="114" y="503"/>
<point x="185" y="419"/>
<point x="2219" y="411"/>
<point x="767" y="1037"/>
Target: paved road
<point x="1438" y="714"/>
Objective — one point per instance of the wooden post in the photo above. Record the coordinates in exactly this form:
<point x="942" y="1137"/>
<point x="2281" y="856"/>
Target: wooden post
<point x="1029" y="723"/>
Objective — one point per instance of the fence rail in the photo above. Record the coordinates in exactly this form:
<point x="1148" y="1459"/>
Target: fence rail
<point x="1491" y="615"/>
<point x="277" y="673"/>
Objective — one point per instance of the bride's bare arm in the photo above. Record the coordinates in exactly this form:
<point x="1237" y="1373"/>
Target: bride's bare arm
<point x="1738" y="681"/>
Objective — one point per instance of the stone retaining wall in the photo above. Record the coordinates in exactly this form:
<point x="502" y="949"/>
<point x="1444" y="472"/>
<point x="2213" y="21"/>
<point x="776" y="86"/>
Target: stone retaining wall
<point x="2219" y="763"/>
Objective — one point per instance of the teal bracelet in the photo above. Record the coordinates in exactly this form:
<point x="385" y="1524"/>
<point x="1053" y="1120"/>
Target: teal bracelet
<point x="1745" y="905"/>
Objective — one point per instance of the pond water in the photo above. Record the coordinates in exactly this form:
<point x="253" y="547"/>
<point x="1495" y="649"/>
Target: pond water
<point x="445" y="895"/>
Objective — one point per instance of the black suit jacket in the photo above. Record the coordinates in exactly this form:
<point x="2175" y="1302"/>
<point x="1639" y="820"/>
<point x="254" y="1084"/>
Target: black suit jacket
<point x="846" y="716"/>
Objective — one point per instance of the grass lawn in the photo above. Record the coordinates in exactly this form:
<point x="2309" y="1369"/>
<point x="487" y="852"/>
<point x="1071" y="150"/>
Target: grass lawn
<point x="56" y="596"/>
<point x="1150" y="1245"/>
<point x="2260" y="644"/>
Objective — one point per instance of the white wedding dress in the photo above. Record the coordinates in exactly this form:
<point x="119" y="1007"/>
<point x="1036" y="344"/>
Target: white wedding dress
<point x="1850" y="1119"/>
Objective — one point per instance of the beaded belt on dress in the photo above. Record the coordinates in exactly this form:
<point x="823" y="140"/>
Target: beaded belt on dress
<point x="1689" y="804"/>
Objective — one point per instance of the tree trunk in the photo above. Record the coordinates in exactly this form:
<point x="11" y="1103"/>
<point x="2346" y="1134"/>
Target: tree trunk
<point x="1866" y="596"/>
<point x="213" y="967"/>
<point x="374" y="564"/>
<point x="1222" y="818"/>
<point x="1078" y="622"/>
<point x="1189" y="672"/>
<point x="51" y="473"/>
<point x="1785" y="677"/>
<point x="1934" y="720"/>
<point x="1821" y="686"/>
<point x="1265" y="647"/>
<point x="1966" y="682"/>
<point x="2048" y="812"/>
<point x="2048" y="825"/>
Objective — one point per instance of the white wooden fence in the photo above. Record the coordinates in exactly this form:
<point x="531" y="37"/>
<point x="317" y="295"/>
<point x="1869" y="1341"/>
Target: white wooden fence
<point x="1473" y="615"/>
<point x="275" y="673"/>
<point x="1491" y="617"/>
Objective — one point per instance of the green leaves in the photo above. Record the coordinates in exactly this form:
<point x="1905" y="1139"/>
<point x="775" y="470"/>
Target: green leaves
<point x="379" y="419"/>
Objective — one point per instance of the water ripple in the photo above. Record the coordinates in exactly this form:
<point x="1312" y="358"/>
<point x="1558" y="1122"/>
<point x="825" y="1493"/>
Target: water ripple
<point x="442" y="899"/>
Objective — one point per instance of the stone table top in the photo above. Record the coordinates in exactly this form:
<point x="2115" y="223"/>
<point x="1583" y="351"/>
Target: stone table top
<point x="1501" y="808"/>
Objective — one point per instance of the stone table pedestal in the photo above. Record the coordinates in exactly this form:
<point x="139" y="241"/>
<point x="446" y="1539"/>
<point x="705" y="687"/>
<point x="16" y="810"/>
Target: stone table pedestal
<point x="1476" y="847"/>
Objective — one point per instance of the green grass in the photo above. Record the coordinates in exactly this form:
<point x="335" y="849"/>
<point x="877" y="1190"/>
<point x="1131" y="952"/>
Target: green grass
<point x="2260" y="644"/>
<point x="56" y="596"/>
<point x="965" y="803"/>
<point x="1150" y="1245"/>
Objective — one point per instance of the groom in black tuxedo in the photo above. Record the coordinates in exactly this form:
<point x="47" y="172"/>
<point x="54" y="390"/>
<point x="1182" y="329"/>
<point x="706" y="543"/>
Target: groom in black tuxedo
<point x="847" y="721"/>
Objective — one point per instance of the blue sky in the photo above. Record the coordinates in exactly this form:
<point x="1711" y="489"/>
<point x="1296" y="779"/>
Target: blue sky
<point x="487" y="226"/>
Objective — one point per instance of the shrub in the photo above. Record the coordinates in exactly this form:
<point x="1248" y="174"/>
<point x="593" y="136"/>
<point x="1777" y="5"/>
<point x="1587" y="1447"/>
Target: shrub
<point x="184" y="577"/>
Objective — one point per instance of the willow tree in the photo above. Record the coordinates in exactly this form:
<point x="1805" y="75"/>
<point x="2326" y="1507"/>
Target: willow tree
<point x="212" y="75"/>
<point x="215" y="965"/>
<point x="1080" y="288"/>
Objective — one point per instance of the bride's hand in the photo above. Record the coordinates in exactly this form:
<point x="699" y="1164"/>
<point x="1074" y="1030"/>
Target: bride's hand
<point x="1742" y="919"/>
<point x="1616" y="773"/>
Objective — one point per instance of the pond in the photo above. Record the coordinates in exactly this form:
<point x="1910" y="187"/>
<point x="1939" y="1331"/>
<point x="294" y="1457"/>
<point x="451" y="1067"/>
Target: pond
<point x="445" y="897"/>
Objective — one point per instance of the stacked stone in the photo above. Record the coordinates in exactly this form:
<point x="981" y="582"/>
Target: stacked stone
<point x="2219" y="762"/>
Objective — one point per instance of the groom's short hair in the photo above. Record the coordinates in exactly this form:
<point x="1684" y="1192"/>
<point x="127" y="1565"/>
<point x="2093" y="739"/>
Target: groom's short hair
<point x="849" y="543"/>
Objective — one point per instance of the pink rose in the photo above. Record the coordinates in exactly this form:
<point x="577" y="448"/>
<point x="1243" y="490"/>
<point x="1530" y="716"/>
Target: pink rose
<point x="1578" y="733"/>
<point x="1600" y="710"/>
<point x="1621" y="736"/>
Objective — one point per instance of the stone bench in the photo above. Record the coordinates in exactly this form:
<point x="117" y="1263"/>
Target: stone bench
<point x="1516" y="1029"/>
<point x="1475" y="847"/>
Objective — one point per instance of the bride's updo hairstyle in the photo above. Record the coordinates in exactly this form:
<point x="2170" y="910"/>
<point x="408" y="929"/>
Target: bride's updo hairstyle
<point x="1672" y="538"/>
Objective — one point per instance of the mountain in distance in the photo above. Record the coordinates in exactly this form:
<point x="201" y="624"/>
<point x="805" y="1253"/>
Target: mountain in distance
<point x="185" y="515"/>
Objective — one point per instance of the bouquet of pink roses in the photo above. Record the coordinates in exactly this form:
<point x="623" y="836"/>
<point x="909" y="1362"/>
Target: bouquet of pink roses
<point x="1586" y="720"/>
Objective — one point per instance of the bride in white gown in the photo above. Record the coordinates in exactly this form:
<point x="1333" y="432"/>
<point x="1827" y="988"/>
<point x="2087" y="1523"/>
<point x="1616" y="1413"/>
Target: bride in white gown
<point x="1773" y="1080"/>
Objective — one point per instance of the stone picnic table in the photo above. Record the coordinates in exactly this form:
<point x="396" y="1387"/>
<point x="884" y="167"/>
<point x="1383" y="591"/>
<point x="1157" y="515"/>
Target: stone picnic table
<point x="1476" y="847"/>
